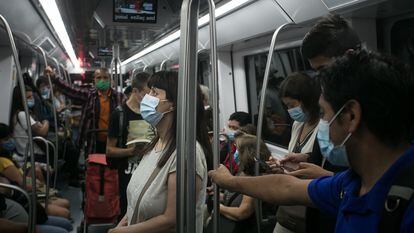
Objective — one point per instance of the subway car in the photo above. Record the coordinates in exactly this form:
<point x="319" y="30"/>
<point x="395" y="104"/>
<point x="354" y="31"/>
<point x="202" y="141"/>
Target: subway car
<point x="216" y="116"/>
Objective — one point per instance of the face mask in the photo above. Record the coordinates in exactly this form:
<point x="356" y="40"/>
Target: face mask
<point x="30" y="102"/>
<point x="9" y="145"/>
<point x="230" y="134"/>
<point x="334" y="154"/>
<point x="45" y="93"/>
<point x="236" y="157"/>
<point x="297" y="114"/>
<point x="103" y="85"/>
<point x="148" y="109"/>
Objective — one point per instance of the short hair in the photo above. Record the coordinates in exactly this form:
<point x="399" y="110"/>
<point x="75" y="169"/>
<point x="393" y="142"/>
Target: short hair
<point x="205" y="92"/>
<point x="243" y="118"/>
<point x="300" y="86"/>
<point x="140" y="80"/>
<point x="330" y="37"/>
<point x="381" y="85"/>
<point x="102" y="72"/>
<point x="128" y="90"/>
<point x="42" y="80"/>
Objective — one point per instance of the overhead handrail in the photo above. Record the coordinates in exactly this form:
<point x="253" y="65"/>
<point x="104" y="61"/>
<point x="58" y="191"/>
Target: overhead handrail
<point x="261" y="112"/>
<point x="186" y="118"/>
<point x="41" y="139"/>
<point x="215" y="108"/>
<point x="26" y="110"/>
<point x="65" y="73"/>
<point x="145" y="68"/>
<point x="57" y="66"/>
<point x="53" y="98"/>
<point x="31" y="224"/>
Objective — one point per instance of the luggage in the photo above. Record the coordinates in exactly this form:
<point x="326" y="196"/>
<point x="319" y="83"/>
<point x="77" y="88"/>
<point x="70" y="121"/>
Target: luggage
<point x="101" y="191"/>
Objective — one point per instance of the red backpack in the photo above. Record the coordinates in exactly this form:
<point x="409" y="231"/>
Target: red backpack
<point x="101" y="191"/>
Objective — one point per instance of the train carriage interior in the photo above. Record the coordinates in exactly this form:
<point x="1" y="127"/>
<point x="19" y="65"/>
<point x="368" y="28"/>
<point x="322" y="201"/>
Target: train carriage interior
<point x="92" y="91"/>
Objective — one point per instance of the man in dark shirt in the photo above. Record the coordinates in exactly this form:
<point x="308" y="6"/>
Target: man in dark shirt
<point x="125" y="125"/>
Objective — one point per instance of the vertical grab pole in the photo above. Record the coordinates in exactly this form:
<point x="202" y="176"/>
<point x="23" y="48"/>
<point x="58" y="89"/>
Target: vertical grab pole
<point x="186" y="118"/>
<point x="30" y="226"/>
<point x="261" y="112"/>
<point x="216" y="127"/>
<point x="53" y="99"/>
<point x="37" y="138"/>
<point x="26" y="111"/>
<point x="163" y="64"/>
<point x="55" y="163"/>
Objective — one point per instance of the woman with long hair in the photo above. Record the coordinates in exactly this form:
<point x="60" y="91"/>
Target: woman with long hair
<point x="152" y="190"/>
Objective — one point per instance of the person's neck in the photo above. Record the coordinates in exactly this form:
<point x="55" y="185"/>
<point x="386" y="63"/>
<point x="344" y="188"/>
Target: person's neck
<point x="104" y="92"/>
<point x="371" y="159"/>
<point x="164" y="129"/>
<point x="133" y="104"/>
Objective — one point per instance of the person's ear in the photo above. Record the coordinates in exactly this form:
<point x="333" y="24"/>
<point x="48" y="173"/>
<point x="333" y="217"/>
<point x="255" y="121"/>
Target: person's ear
<point x="353" y="115"/>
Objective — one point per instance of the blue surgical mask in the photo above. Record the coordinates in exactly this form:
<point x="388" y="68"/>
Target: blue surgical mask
<point x="9" y="145"/>
<point x="297" y="114"/>
<point x="30" y="103"/>
<point x="230" y="134"/>
<point x="336" y="155"/>
<point x="236" y="157"/>
<point x="148" y="110"/>
<point x="45" y="93"/>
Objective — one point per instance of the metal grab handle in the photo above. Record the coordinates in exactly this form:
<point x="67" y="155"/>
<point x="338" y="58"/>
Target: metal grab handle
<point x="55" y="162"/>
<point x="57" y="66"/>
<point x="163" y="64"/>
<point x="41" y="139"/>
<point x="53" y="97"/>
<point x="215" y="108"/>
<point x="261" y="112"/>
<point x="26" y="109"/>
<point x="67" y="78"/>
<point x="30" y="226"/>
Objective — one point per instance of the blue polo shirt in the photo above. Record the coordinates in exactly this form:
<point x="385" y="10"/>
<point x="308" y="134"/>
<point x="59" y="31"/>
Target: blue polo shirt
<point x="338" y="196"/>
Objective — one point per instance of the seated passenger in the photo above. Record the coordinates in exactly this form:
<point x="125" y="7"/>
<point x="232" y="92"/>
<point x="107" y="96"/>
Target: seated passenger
<point x="156" y="210"/>
<point x="19" y="126"/>
<point x="37" y="96"/>
<point x="42" y="84"/>
<point x="237" y="210"/>
<point x="133" y="127"/>
<point x="57" y="206"/>
<point x="236" y="120"/>
<point x="368" y="122"/>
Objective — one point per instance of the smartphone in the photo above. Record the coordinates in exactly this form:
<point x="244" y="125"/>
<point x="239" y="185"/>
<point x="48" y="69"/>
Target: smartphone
<point x="290" y="167"/>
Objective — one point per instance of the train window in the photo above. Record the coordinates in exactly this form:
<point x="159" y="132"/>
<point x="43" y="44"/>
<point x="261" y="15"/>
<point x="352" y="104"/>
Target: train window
<point x="277" y="124"/>
<point x="402" y="40"/>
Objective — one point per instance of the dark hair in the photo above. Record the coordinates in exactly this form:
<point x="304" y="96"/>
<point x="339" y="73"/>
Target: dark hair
<point x="140" y="80"/>
<point x="102" y="71"/>
<point x="381" y="85"/>
<point x="243" y="118"/>
<point x="17" y="104"/>
<point x="332" y="36"/>
<point x="42" y="80"/>
<point x="168" y="81"/>
<point x="5" y="131"/>
<point x="28" y="82"/>
<point x="301" y="87"/>
<point x="127" y="90"/>
<point x="246" y="145"/>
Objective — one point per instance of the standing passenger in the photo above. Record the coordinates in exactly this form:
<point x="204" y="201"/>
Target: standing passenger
<point x="133" y="126"/>
<point x="155" y="211"/>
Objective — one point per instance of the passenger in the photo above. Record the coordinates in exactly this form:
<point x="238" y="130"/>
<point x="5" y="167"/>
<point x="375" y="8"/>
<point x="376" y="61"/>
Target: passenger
<point x="362" y="124"/>
<point x="133" y="127"/>
<point x="128" y="92"/>
<point x="208" y="111"/>
<point x="37" y="108"/>
<point x="237" y="210"/>
<point x="329" y="38"/>
<point x="19" y="126"/>
<point x="156" y="211"/>
<point x="236" y="120"/>
<point x="59" y="100"/>
<point x="11" y="171"/>
<point x="300" y="94"/>
<point x="99" y="103"/>
<point x="42" y="84"/>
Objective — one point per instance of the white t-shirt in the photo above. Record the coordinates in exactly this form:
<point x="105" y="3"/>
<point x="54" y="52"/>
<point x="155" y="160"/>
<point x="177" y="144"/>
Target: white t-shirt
<point x="154" y="201"/>
<point x="20" y="134"/>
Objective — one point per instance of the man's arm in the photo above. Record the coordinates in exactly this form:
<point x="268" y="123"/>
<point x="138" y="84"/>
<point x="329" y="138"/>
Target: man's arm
<point x="75" y="93"/>
<point x="278" y="189"/>
<point x="113" y="151"/>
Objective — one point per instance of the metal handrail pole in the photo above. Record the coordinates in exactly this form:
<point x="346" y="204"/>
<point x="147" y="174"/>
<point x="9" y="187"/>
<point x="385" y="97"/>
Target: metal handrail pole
<point x="26" y="109"/>
<point x="163" y="64"/>
<point x="41" y="139"/>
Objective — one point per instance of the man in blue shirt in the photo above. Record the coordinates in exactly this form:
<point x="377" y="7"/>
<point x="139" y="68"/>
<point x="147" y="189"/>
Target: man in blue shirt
<point x="367" y="120"/>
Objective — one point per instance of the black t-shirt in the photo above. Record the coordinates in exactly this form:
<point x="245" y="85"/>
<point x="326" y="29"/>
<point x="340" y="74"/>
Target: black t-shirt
<point x="130" y="120"/>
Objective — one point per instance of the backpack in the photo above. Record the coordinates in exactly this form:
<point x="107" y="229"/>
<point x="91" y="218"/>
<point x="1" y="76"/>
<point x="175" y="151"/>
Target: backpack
<point x="398" y="199"/>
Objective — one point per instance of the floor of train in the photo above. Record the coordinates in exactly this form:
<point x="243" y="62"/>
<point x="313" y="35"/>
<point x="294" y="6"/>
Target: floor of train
<point x="74" y="195"/>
